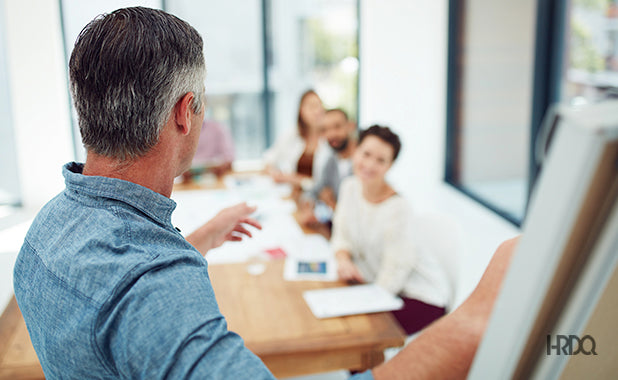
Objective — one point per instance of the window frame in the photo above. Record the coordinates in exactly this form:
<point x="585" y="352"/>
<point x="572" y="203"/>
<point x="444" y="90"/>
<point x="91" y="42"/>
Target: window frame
<point x="547" y="73"/>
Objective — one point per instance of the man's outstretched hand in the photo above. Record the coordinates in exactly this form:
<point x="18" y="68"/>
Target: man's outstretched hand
<point x="228" y="225"/>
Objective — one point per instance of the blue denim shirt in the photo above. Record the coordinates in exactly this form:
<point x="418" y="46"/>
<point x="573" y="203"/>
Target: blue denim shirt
<point x="110" y="289"/>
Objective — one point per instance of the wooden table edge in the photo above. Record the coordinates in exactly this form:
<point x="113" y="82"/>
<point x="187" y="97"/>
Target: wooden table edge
<point x="9" y="320"/>
<point x="394" y="336"/>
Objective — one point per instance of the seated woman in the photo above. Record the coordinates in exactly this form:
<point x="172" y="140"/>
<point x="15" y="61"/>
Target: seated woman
<point x="300" y="153"/>
<point x="372" y="240"/>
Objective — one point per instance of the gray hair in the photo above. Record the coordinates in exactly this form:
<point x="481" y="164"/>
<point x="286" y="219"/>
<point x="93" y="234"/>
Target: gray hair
<point x="127" y="71"/>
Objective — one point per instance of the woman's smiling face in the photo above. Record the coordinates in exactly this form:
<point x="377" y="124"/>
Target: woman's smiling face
<point x="372" y="159"/>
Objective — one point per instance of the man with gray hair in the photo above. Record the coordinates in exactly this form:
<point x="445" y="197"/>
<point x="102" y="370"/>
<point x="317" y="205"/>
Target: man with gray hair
<point x="108" y="287"/>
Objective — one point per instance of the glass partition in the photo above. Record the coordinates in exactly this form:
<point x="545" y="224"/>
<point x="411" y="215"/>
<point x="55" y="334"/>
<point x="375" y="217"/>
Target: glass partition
<point x="9" y="179"/>
<point x="261" y="55"/>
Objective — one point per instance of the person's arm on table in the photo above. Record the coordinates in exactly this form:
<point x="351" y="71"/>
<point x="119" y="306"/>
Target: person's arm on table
<point x="322" y="191"/>
<point x="306" y="203"/>
<point x="445" y="349"/>
<point x="305" y="206"/>
<point x="227" y="225"/>
<point x="281" y="177"/>
<point x="346" y="269"/>
<point x="221" y="169"/>
<point x="327" y="195"/>
<point x="341" y="241"/>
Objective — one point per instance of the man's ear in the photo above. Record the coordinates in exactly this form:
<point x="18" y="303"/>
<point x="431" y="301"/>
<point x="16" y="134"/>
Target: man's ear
<point x="183" y="113"/>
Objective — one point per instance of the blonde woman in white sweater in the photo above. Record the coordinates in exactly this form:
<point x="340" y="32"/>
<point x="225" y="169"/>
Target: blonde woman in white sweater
<point x="372" y="239"/>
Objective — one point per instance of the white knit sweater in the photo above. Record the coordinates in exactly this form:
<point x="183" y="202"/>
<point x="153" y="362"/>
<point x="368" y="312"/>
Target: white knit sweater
<point x="382" y="245"/>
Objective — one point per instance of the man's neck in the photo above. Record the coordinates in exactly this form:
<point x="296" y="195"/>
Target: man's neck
<point x="149" y="171"/>
<point x="348" y="151"/>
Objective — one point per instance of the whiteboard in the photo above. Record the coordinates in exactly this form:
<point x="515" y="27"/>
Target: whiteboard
<point x="567" y="253"/>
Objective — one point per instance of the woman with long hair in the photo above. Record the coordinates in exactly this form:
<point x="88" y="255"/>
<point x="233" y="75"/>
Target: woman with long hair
<point x="300" y="153"/>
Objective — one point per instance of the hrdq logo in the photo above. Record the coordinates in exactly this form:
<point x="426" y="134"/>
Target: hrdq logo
<point x="572" y="345"/>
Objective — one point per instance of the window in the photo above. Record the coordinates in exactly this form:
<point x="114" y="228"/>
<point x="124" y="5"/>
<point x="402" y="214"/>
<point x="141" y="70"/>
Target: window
<point x="75" y="15"/>
<point x="508" y="63"/>
<point x="233" y="48"/>
<point x="9" y="180"/>
<point x="591" y="54"/>
<point x="261" y="55"/>
<point x="314" y="44"/>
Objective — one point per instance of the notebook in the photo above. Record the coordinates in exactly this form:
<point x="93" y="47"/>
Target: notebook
<point x="350" y="300"/>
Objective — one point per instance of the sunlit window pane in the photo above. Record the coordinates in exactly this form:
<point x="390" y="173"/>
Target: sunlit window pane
<point x="314" y="45"/>
<point x="9" y="181"/>
<point x="308" y="44"/>
<point x="76" y="14"/>
<point x="232" y="33"/>
<point x="591" y="54"/>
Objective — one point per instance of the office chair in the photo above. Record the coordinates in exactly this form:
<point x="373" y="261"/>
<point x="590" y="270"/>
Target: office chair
<point x="441" y="235"/>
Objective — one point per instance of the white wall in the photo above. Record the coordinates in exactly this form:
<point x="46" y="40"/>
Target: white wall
<point x="40" y="113"/>
<point x="403" y="81"/>
<point x="403" y="85"/>
<point x="40" y="103"/>
<point x="9" y="183"/>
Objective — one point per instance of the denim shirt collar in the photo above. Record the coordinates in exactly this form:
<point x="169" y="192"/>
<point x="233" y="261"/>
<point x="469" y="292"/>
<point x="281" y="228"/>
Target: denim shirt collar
<point x="154" y="205"/>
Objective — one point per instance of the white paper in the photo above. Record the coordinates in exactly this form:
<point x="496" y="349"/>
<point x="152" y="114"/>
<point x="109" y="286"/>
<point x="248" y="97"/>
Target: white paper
<point x="280" y="231"/>
<point x="279" y="228"/>
<point x="350" y="300"/>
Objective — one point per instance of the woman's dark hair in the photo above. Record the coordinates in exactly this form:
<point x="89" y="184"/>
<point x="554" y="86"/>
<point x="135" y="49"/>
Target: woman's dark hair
<point x="384" y="134"/>
<point x="303" y="128"/>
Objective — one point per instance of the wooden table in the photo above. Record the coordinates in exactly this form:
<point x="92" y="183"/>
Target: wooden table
<point x="267" y="311"/>
<point x="278" y="326"/>
<point x="18" y="361"/>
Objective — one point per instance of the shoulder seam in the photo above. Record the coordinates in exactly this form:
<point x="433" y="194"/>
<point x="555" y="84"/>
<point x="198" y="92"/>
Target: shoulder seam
<point x="92" y="301"/>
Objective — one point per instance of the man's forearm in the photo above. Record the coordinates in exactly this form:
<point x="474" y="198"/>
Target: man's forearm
<point x="445" y="349"/>
<point x="201" y="239"/>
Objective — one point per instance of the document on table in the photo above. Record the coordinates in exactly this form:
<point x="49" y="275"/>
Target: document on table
<point x="310" y="259"/>
<point x="351" y="300"/>
<point x="306" y="269"/>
